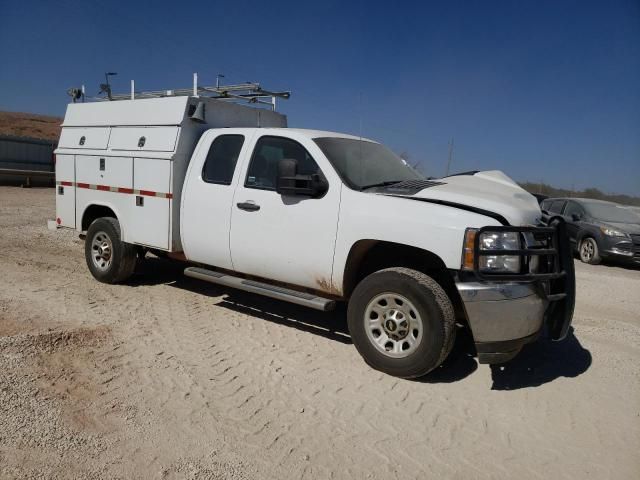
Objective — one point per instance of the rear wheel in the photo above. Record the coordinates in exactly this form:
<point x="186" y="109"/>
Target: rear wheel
<point x="402" y="322"/>
<point x="589" y="251"/>
<point x="109" y="259"/>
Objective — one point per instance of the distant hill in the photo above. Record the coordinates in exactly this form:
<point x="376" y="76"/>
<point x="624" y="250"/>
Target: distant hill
<point x="30" y="125"/>
<point x="594" y="193"/>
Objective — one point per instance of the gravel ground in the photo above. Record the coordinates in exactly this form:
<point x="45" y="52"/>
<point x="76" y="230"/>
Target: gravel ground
<point x="166" y="377"/>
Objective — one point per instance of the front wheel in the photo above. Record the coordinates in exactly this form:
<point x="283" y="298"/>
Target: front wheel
<point x="402" y="322"/>
<point x="589" y="251"/>
<point x="109" y="259"/>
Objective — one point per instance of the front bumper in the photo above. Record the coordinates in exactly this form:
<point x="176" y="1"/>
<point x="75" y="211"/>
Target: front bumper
<point x="620" y="249"/>
<point x="505" y="312"/>
<point x="503" y="317"/>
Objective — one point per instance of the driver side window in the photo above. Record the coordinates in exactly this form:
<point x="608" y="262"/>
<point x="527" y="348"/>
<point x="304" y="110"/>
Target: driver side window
<point x="556" y="206"/>
<point x="574" y="208"/>
<point x="263" y="169"/>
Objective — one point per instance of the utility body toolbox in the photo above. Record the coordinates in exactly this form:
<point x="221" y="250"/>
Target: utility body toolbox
<point x="131" y="156"/>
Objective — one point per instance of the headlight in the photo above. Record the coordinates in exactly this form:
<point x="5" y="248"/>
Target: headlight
<point x="612" y="232"/>
<point x="499" y="241"/>
<point x="492" y="241"/>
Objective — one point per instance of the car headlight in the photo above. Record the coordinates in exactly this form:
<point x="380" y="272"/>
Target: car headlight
<point x="499" y="241"/>
<point x="492" y="241"/>
<point x="612" y="232"/>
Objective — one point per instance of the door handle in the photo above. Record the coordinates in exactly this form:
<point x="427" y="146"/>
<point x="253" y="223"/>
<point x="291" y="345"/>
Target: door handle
<point x="248" y="206"/>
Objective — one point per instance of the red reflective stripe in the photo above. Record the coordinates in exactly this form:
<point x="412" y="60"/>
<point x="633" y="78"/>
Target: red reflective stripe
<point x="106" y="188"/>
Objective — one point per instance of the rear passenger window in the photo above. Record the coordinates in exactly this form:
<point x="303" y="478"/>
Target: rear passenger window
<point x="556" y="206"/>
<point x="221" y="159"/>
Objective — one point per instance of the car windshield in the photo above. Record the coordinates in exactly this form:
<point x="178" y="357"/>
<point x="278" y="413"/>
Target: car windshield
<point x="611" y="213"/>
<point x="363" y="164"/>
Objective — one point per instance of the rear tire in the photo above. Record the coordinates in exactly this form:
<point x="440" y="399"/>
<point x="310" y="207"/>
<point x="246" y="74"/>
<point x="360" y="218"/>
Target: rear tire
<point x="402" y="322"/>
<point x="109" y="259"/>
<point x="589" y="251"/>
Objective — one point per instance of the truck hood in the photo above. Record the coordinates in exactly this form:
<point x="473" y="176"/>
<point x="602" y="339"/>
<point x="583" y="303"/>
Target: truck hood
<point x="491" y="191"/>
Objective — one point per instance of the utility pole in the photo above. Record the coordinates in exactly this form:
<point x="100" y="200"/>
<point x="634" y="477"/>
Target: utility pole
<point x="450" y="157"/>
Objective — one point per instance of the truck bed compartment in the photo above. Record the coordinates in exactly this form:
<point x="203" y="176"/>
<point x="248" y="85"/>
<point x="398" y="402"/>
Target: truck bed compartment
<point x="151" y="207"/>
<point x="104" y="170"/>
<point x="84" y="138"/>
<point x="145" y="139"/>
<point x="65" y="191"/>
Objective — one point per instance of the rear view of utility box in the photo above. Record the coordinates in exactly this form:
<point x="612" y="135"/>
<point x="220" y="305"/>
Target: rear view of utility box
<point x="65" y="191"/>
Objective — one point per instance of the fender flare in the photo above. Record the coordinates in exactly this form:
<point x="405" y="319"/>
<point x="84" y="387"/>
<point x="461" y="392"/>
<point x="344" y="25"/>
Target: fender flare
<point x="111" y="207"/>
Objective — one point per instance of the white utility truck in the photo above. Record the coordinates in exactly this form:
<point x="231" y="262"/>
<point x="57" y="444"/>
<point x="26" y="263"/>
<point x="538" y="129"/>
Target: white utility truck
<point x="314" y="218"/>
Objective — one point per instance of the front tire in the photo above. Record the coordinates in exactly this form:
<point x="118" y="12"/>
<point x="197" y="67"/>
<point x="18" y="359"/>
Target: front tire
<point x="402" y="322"/>
<point x="589" y="251"/>
<point x="109" y="259"/>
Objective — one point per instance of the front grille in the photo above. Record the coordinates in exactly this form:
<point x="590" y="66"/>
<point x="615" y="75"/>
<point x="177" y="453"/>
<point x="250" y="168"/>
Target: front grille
<point x="636" y="247"/>
<point x="624" y="246"/>
<point x="555" y="268"/>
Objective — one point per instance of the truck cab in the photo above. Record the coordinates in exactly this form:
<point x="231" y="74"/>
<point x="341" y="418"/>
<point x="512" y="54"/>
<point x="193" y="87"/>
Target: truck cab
<point x="315" y="217"/>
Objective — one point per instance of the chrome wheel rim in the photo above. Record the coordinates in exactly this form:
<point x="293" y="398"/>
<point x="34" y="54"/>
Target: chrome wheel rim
<point x="101" y="251"/>
<point x="587" y="250"/>
<point x="393" y="325"/>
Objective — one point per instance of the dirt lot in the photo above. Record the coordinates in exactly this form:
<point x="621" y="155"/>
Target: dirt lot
<point x="167" y="377"/>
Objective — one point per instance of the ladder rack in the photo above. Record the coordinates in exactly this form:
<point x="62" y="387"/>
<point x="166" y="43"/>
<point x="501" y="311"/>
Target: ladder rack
<point x="250" y="92"/>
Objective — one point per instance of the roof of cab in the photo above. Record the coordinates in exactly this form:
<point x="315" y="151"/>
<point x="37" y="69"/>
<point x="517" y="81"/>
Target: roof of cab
<point x="320" y="133"/>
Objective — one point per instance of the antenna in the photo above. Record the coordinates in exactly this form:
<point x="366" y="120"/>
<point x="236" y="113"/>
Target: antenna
<point x="360" y="130"/>
<point x="218" y="77"/>
<point x="106" y="87"/>
<point x="450" y="157"/>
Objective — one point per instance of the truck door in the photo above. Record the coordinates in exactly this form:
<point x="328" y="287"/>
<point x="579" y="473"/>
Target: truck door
<point x="207" y="195"/>
<point x="282" y="237"/>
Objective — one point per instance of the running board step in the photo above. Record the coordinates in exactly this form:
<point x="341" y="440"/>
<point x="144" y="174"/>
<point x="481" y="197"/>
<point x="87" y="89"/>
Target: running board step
<point x="279" y="293"/>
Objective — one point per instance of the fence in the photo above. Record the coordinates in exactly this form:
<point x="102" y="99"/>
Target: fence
<point x="23" y="158"/>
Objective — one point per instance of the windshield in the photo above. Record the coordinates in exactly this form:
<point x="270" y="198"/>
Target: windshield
<point x="611" y="213"/>
<point x="362" y="164"/>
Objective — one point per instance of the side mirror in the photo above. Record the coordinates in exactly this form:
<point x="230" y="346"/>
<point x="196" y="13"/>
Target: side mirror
<point x="289" y="182"/>
<point x="576" y="217"/>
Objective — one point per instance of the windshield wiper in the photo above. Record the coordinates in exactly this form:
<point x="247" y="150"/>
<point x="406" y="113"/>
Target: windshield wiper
<point x="381" y="184"/>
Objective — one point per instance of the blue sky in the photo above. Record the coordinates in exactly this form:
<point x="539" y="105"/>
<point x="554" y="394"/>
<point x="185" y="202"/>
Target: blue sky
<point x="543" y="90"/>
